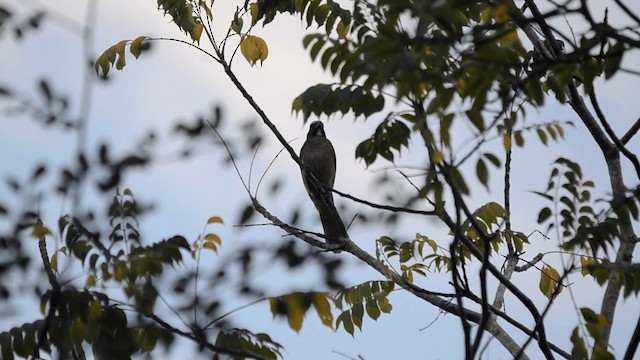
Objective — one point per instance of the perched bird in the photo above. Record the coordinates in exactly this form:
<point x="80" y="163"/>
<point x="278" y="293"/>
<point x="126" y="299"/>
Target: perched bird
<point x="319" y="159"/>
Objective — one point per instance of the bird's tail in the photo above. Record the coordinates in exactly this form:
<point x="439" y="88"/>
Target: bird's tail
<point x="332" y="224"/>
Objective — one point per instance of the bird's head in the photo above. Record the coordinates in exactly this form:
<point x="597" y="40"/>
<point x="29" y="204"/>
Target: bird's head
<point x="316" y="129"/>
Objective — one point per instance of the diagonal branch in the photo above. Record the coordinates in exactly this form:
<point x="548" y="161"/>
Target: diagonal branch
<point x="631" y="133"/>
<point x="618" y="143"/>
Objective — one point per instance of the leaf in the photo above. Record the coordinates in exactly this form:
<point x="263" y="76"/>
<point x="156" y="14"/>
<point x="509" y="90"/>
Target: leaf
<point x="54" y="262"/>
<point x="210" y="245"/>
<point x="385" y="305"/>
<point x="345" y="320"/>
<point x="342" y="29"/>
<point x="213" y="238"/>
<point x="517" y="135"/>
<point x="215" y="220"/>
<point x="437" y="157"/>
<point x="120" y="48"/>
<point x="372" y="309"/>
<point x="579" y="351"/>
<point x="39" y="230"/>
<point x="255" y="12"/>
<point x="357" y="313"/>
<point x="613" y="58"/>
<point x="136" y="46"/>
<point x="295" y="312"/>
<point x="482" y="172"/>
<point x="493" y="159"/>
<point x="549" y="277"/>
<point x="323" y="308"/>
<point x="236" y="23"/>
<point x="544" y="214"/>
<point x="542" y="135"/>
<point x="476" y="118"/>
<point x="506" y="142"/>
<point x="254" y="49"/>
<point x="91" y="281"/>
<point x="458" y="181"/>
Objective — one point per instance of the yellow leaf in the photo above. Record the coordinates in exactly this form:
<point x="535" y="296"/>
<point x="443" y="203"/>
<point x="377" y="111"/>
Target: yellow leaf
<point x="91" y="281"/>
<point x="120" y="272"/>
<point x="43" y="305"/>
<point x="255" y="11"/>
<point x="213" y="238"/>
<point x="549" y="277"/>
<point x="509" y="37"/>
<point x="295" y="312"/>
<point x="94" y="309"/>
<point x="506" y="141"/>
<point x="461" y="85"/>
<point x="437" y="157"/>
<point x="215" y="219"/>
<point x="39" y="230"/>
<point x="54" y="262"/>
<point x="343" y="29"/>
<point x="197" y="32"/>
<point x="323" y="308"/>
<point x="485" y="15"/>
<point x="254" y="48"/>
<point x="433" y="244"/>
<point x="584" y="263"/>
<point x="545" y="283"/>
<point x="501" y="13"/>
<point x="210" y="245"/>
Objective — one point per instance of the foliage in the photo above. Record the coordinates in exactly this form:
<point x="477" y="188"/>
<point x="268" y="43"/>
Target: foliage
<point x="443" y="72"/>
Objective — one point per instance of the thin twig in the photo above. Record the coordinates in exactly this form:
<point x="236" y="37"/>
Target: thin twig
<point x="632" y="131"/>
<point x="605" y="124"/>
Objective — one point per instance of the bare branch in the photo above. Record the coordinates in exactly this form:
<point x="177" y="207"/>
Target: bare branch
<point x="631" y="133"/>
<point x="619" y="144"/>
<point x="633" y="343"/>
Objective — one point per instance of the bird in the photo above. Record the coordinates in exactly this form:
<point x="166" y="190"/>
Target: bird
<point x="319" y="161"/>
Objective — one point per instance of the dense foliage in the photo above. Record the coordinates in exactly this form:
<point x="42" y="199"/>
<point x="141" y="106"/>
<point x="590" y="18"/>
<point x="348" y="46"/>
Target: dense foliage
<point x="431" y="74"/>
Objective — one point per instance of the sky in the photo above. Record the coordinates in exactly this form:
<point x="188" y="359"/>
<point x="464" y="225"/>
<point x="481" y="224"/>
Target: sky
<point x="175" y="82"/>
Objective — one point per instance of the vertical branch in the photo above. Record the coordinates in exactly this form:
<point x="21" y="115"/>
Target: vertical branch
<point x="612" y="158"/>
<point x="512" y="257"/>
<point x="86" y="94"/>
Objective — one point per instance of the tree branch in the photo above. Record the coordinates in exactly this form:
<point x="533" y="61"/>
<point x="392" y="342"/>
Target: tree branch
<point x="612" y="158"/>
<point x="632" y="131"/>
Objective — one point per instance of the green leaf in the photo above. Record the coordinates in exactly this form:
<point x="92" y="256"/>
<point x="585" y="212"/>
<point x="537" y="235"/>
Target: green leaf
<point x="544" y="214"/>
<point x="542" y="135"/>
<point x="357" y="312"/>
<point x="136" y="46"/>
<point x="482" y="172"/>
<point x="517" y="135"/>
<point x="475" y="116"/>
<point x="345" y="320"/>
<point x="385" y="305"/>
<point x="613" y="58"/>
<point x="579" y="350"/>
<point x="492" y="158"/>
<point x="458" y="181"/>
<point x="372" y="308"/>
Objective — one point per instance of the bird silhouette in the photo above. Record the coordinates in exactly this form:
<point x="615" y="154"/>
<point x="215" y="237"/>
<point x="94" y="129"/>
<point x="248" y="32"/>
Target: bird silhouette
<point x="319" y="162"/>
